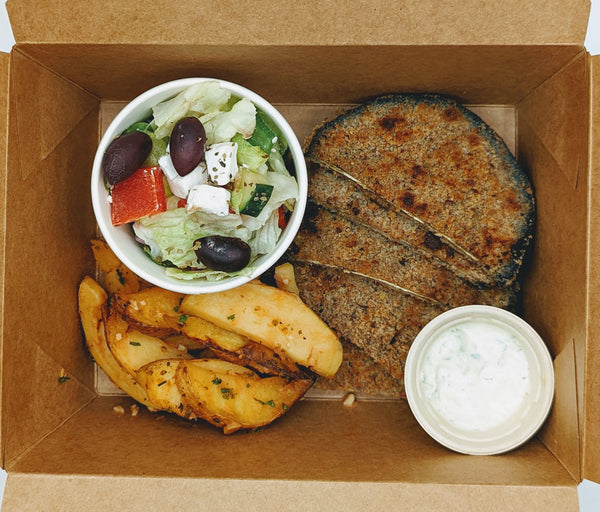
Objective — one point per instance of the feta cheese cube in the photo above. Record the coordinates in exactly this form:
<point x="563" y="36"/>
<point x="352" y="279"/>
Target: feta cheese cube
<point x="181" y="185"/>
<point x="209" y="199"/>
<point x="221" y="162"/>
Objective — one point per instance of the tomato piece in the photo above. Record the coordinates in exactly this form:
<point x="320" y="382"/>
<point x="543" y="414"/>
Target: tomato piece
<point x="142" y="194"/>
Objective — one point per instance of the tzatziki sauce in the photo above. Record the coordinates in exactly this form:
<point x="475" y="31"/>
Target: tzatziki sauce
<point x="475" y="375"/>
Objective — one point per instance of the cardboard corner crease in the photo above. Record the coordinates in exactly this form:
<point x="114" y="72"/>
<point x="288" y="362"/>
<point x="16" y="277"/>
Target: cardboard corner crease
<point x="73" y="65"/>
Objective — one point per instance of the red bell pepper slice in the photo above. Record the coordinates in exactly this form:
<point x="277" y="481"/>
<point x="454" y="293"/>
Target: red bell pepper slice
<point x="283" y="217"/>
<point x="142" y="194"/>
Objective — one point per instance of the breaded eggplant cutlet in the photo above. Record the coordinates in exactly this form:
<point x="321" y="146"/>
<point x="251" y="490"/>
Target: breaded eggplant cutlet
<point x="434" y="160"/>
<point x="415" y="206"/>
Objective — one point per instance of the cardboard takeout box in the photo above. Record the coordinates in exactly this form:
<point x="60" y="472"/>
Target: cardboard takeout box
<point x="521" y="64"/>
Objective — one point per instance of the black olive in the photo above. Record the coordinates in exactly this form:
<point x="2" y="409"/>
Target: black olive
<point x="187" y="144"/>
<point x="125" y="155"/>
<point x="224" y="253"/>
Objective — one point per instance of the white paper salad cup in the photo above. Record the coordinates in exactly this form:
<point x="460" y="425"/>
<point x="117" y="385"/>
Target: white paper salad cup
<point x="479" y="380"/>
<point x="121" y="238"/>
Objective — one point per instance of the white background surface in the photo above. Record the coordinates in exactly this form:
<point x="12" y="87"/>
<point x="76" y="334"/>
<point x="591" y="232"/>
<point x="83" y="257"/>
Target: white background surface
<point x="589" y="492"/>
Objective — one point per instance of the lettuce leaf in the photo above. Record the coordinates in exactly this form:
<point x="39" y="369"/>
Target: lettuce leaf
<point x="221" y="127"/>
<point x="204" y="98"/>
<point x="249" y="156"/>
<point x="265" y="239"/>
<point x="285" y="191"/>
<point x="170" y="235"/>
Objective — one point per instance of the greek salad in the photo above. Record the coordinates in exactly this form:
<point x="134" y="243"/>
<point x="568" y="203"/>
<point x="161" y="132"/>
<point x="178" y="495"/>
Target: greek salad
<point x="205" y="183"/>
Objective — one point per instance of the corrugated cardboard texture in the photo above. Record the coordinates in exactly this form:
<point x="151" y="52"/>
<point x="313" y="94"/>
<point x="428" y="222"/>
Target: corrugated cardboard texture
<point x="591" y="460"/>
<point x="362" y="22"/>
<point x="4" y="81"/>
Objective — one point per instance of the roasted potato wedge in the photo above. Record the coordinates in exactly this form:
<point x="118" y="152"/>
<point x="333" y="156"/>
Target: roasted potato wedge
<point x="92" y="303"/>
<point x="205" y="331"/>
<point x="117" y="277"/>
<point x="232" y="397"/>
<point x="134" y="349"/>
<point x="158" y="380"/>
<point x="275" y="318"/>
<point x="105" y="258"/>
<point x="285" y="278"/>
<point x="153" y="310"/>
<point x="234" y="348"/>
<point x="262" y="359"/>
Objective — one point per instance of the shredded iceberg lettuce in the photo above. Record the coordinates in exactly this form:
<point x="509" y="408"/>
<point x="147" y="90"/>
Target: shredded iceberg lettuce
<point x="223" y="126"/>
<point x="170" y="235"/>
<point x="285" y="189"/>
<point x="203" y="98"/>
<point x="249" y="156"/>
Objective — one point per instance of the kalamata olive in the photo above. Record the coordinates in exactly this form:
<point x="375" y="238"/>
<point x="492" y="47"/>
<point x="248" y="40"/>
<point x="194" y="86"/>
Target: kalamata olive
<point x="125" y="155"/>
<point x="188" y="143"/>
<point x="224" y="253"/>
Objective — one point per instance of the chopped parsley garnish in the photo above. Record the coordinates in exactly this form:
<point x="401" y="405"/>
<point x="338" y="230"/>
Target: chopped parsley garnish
<point x="135" y="343"/>
<point x="227" y="393"/>
<point x="270" y="403"/>
<point x="216" y="381"/>
<point x="230" y="317"/>
<point x="183" y="318"/>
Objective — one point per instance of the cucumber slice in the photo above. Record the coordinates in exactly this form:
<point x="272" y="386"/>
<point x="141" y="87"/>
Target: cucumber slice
<point x="266" y="135"/>
<point x="259" y="197"/>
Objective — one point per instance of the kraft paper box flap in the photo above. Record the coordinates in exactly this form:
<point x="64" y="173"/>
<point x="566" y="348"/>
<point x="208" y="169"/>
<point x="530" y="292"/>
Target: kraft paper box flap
<point x="26" y="492"/>
<point x="4" y="99"/>
<point x="561" y="432"/>
<point x="557" y="110"/>
<point x="322" y="443"/>
<point x="62" y="104"/>
<point x="51" y="397"/>
<point x="288" y="23"/>
<point x="39" y="301"/>
<point x="555" y="287"/>
<point x="591" y="441"/>
<point x="492" y="74"/>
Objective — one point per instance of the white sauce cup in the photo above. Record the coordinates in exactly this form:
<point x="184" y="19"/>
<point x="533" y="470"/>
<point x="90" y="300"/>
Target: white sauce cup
<point x="479" y="380"/>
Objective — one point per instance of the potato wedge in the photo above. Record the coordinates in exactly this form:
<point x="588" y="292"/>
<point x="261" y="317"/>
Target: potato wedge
<point x="276" y="318"/>
<point x="117" y="277"/>
<point x="92" y="302"/>
<point x="156" y="312"/>
<point x="121" y="279"/>
<point x="134" y="349"/>
<point x="285" y="278"/>
<point x="262" y="359"/>
<point x="205" y="331"/>
<point x="105" y="258"/>
<point x="234" y="348"/>
<point x="232" y="397"/>
<point x="153" y="310"/>
<point x="158" y="380"/>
